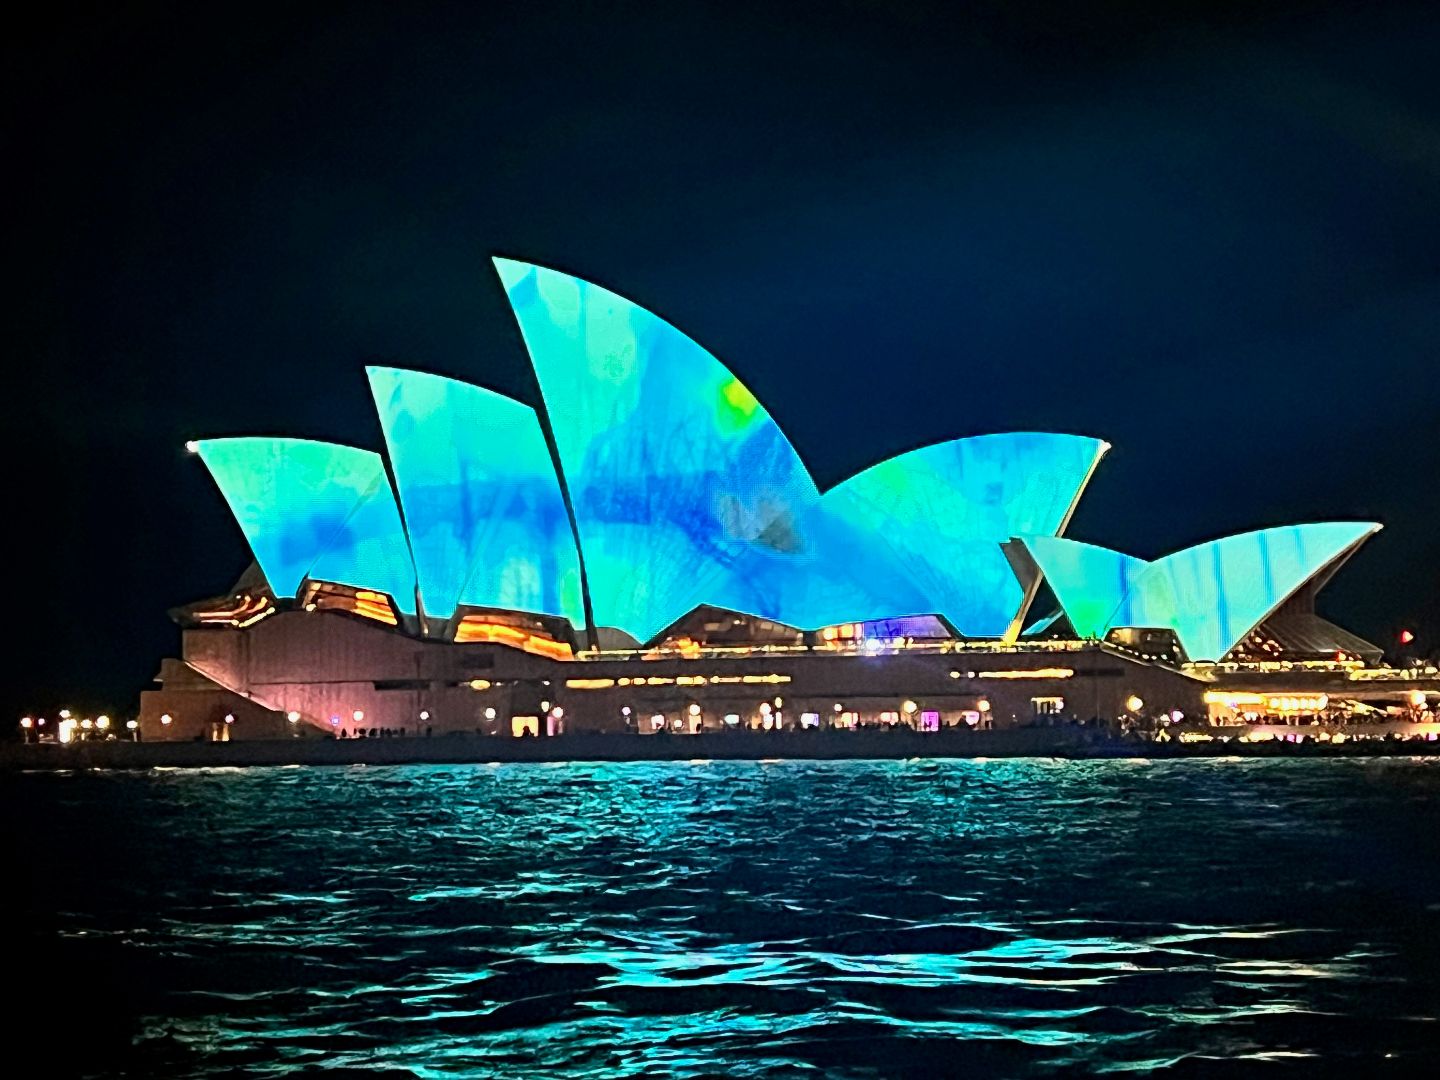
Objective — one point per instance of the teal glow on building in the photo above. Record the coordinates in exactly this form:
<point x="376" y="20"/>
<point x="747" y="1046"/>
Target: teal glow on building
<point x="482" y="502"/>
<point x="685" y="491"/>
<point x="654" y="486"/>
<point x="948" y="508"/>
<point x="679" y="476"/>
<point x="1211" y="595"/>
<point x="315" y="510"/>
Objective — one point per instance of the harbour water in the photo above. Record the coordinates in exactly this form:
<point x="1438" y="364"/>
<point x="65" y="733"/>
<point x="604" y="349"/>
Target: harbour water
<point x="904" y="918"/>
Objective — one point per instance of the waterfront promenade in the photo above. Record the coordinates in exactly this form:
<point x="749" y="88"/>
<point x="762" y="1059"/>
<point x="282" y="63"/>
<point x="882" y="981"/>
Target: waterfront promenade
<point x="1071" y="742"/>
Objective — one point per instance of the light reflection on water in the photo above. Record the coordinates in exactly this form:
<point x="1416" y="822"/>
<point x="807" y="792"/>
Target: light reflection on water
<point x="745" y="919"/>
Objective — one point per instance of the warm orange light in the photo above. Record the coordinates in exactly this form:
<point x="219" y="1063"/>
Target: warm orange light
<point x="1296" y="703"/>
<point x="247" y="609"/>
<point x="688" y="648"/>
<point x="364" y="602"/>
<point x="1028" y="673"/>
<point x="472" y="629"/>
<point x="1232" y="701"/>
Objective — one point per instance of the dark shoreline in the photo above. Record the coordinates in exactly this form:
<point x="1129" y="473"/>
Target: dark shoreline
<point x="1074" y="744"/>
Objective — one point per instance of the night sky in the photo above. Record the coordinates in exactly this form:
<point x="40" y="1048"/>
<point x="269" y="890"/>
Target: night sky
<point x="1209" y="235"/>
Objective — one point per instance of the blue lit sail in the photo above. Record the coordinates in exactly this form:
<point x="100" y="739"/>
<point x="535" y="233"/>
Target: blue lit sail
<point x="314" y="509"/>
<point x="686" y="492"/>
<point x="1211" y="595"/>
<point x="683" y="487"/>
<point x="482" y="503"/>
<point x="943" y="511"/>
<point x="1216" y="593"/>
<point x="1090" y="582"/>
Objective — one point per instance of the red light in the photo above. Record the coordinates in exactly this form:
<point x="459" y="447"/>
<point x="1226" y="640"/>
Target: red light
<point x="1406" y="637"/>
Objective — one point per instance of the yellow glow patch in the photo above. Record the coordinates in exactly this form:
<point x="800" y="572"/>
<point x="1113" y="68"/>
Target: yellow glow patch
<point x="737" y="406"/>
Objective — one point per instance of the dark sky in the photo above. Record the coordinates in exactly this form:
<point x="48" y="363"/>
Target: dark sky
<point x="1209" y="234"/>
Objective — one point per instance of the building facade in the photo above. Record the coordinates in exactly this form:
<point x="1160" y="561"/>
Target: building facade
<point x="647" y="552"/>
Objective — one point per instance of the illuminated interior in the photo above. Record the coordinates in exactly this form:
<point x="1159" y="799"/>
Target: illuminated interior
<point x="243" y="609"/>
<point x="366" y="603"/>
<point x="485" y="628"/>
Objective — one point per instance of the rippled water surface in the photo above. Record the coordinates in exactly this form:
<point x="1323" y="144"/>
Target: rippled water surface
<point x="732" y="919"/>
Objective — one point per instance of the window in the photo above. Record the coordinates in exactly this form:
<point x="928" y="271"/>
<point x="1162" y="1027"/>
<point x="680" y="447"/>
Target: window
<point x="929" y="720"/>
<point x="1047" y="706"/>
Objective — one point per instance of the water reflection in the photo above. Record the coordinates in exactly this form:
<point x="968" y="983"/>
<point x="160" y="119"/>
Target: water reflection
<point x="844" y="918"/>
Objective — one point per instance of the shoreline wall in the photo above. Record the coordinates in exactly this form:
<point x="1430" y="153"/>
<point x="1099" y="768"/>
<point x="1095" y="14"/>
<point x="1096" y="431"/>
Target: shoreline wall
<point x="751" y="746"/>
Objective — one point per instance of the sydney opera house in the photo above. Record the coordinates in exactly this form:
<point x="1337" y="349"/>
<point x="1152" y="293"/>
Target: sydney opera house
<point x="648" y="553"/>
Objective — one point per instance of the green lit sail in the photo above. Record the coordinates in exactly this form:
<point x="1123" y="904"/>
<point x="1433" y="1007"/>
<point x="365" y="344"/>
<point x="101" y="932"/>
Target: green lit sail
<point x="1211" y="595"/>
<point x="686" y="492"/>
<point x="314" y="510"/>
